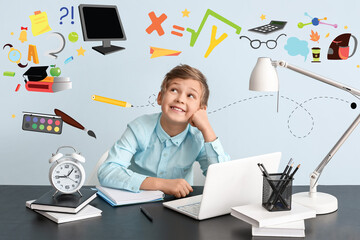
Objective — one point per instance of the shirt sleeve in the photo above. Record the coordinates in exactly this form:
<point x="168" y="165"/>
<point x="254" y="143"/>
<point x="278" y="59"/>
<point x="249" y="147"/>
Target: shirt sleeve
<point x="114" y="172"/>
<point x="212" y="152"/>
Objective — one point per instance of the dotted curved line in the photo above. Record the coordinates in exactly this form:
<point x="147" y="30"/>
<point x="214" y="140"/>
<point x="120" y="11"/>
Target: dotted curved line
<point x="242" y="100"/>
<point x="312" y="119"/>
<point x="288" y="121"/>
<point x="149" y="102"/>
<point x="266" y="95"/>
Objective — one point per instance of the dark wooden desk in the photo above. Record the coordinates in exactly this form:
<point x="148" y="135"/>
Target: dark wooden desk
<point x="18" y="222"/>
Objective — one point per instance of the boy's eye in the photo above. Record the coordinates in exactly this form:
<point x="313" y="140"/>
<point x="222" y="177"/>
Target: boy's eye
<point x="191" y="96"/>
<point x="173" y="90"/>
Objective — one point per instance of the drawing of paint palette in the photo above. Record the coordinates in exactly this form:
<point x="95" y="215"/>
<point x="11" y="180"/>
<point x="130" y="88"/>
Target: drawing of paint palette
<point x="39" y="122"/>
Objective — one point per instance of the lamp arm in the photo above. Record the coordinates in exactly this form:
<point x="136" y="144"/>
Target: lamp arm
<point x="315" y="175"/>
<point x="351" y="90"/>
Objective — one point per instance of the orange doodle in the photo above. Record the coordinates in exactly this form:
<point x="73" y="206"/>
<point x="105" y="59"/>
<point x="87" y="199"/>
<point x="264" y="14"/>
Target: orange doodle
<point x="156" y="23"/>
<point x="178" y="33"/>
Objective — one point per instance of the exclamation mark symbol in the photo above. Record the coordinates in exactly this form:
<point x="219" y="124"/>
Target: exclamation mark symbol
<point x="72" y="14"/>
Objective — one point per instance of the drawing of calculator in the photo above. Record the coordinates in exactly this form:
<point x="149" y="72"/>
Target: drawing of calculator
<point x="268" y="28"/>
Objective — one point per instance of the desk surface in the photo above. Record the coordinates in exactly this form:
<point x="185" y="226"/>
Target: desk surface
<point x="127" y="222"/>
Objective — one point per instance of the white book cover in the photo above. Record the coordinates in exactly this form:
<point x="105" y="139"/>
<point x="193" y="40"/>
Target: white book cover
<point x="258" y="216"/>
<point x="85" y="213"/>
<point x="123" y="197"/>
<point x="290" y="229"/>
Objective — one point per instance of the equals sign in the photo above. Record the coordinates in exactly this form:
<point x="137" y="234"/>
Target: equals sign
<point x="177" y="28"/>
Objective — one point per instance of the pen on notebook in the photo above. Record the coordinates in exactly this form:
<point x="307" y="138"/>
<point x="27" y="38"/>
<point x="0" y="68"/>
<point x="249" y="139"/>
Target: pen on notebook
<point x="111" y="101"/>
<point x="146" y="213"/>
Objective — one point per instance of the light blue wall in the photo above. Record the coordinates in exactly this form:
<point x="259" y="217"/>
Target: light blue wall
<point x="249" y="125"/>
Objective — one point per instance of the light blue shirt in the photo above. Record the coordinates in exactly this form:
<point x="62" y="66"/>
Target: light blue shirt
<point x="146" y="150"/>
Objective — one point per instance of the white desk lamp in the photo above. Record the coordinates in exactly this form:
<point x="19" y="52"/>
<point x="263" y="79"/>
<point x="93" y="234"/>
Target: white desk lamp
<point x="264" y="78"/>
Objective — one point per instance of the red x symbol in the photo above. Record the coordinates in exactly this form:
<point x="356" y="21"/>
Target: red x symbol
<point x="156" y="23"/>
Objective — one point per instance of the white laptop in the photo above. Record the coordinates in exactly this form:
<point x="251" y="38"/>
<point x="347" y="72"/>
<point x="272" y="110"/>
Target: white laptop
<point x="228" y="184"/>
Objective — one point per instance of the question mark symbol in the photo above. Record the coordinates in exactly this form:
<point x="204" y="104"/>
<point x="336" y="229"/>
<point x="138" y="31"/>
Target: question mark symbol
<point x="67" y="12"/>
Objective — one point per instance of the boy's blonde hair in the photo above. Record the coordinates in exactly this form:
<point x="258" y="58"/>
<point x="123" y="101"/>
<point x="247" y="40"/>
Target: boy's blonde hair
<point x="184" y="71"/>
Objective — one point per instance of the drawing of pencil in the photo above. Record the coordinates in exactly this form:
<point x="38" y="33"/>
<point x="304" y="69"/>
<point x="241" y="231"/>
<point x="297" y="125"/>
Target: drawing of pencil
<point x="111" y="101"/>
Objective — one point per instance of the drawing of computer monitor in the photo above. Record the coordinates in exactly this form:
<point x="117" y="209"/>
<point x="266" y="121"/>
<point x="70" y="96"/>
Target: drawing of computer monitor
<point x="102" y="23"/>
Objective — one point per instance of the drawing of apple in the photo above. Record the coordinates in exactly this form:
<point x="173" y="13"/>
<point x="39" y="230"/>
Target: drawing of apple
<point x="55" y="71"/>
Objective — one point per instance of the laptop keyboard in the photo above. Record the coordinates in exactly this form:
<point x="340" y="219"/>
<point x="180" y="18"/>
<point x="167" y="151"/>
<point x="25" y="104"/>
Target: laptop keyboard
<point x="193" y="208"/>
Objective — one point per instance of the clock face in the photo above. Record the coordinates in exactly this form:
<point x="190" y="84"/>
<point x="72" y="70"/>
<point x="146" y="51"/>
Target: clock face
<point x="14" y="55"/>
<point x="67" y="177"/>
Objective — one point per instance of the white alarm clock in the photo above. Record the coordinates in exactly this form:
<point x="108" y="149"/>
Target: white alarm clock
<point x="66" y="174"/>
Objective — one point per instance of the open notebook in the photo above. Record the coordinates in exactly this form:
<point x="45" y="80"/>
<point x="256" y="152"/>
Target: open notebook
<point x="117" y="197"/>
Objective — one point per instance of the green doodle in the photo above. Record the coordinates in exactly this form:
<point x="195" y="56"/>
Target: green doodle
<point x="195" y="35"/>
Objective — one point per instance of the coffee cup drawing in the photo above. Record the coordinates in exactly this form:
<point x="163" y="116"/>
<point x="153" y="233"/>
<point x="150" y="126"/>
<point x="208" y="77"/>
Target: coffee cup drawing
<point x="339" y="48"/>
<point x="316" y="54"/>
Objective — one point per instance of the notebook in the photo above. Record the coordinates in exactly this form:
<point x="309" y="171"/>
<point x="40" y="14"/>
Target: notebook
<point x="227" y="184"/>
<point x="258" y="216"/>
<point x="87" y="212"/>
<point x="291" y="229"/>
<point x="117" y="197"/>
<point x="66" y="203"/>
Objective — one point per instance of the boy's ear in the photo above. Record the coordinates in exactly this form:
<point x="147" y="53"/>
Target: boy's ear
<point x="159" y="98"/>
<point x="203" y="107"/>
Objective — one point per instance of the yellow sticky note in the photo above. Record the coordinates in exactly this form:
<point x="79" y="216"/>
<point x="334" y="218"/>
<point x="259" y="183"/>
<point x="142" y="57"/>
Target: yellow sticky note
<point x="39" y="23"/>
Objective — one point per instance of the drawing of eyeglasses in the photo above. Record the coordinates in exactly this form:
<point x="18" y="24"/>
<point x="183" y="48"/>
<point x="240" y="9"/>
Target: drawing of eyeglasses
<point x="256" y="43"/>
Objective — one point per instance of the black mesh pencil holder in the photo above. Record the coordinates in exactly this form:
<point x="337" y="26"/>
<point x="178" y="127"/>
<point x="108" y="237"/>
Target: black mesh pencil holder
<point x="276" y="195"/>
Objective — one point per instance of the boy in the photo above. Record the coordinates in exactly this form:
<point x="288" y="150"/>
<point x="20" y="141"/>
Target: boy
<point x="157" y="151"/>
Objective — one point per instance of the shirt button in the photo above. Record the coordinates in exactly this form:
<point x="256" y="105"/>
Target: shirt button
<point x="164" y="154"/>
<point x="215" y="147"/>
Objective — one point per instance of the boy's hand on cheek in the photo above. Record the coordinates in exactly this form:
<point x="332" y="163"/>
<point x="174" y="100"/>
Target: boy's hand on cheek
<point x="200" y="120"/>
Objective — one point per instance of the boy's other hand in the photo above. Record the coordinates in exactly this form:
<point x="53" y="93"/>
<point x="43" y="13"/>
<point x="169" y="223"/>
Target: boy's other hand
<point x="176" y="187"/>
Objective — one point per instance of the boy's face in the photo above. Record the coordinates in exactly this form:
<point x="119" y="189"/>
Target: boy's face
<point x="181" y="100"/>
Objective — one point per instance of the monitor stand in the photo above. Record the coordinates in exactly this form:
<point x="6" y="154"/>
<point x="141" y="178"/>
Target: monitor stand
<point x="107" y="48"/>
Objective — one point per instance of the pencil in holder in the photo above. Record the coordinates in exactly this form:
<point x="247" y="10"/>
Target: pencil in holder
<point x="277" y="191"/>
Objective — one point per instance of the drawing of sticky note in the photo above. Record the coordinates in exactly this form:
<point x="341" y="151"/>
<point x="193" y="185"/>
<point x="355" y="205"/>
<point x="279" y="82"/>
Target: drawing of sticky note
<point x="159" y="52"/>
<point x="39" y="23"/>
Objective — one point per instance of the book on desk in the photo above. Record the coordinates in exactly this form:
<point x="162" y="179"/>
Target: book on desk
<point x="290" y="229"/>
<point x="87" y="212"/>
<point x="65" y="203"/>
<point x="118" y="197"/>
<point x="258" y="216"/>
<point x="279" y="224"/>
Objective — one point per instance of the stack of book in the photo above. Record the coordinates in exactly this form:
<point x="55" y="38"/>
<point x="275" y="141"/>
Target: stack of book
<point x="49" y="84"/>
<point x="276" y="224"/>
<point x="63" y="208"/>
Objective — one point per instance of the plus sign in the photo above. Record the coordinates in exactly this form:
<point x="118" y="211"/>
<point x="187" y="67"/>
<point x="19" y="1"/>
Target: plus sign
<point x="156" y="23"/>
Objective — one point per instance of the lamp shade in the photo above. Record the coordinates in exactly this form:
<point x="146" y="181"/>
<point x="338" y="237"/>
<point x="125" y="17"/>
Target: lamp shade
<point x="264" y="76"/>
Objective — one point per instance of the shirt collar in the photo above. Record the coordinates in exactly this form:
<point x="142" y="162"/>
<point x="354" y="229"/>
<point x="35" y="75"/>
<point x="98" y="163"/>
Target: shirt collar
<point x="163" y="136"/>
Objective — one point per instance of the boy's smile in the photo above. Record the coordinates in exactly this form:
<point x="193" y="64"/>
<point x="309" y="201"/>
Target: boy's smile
<point x="179" y="102"/>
